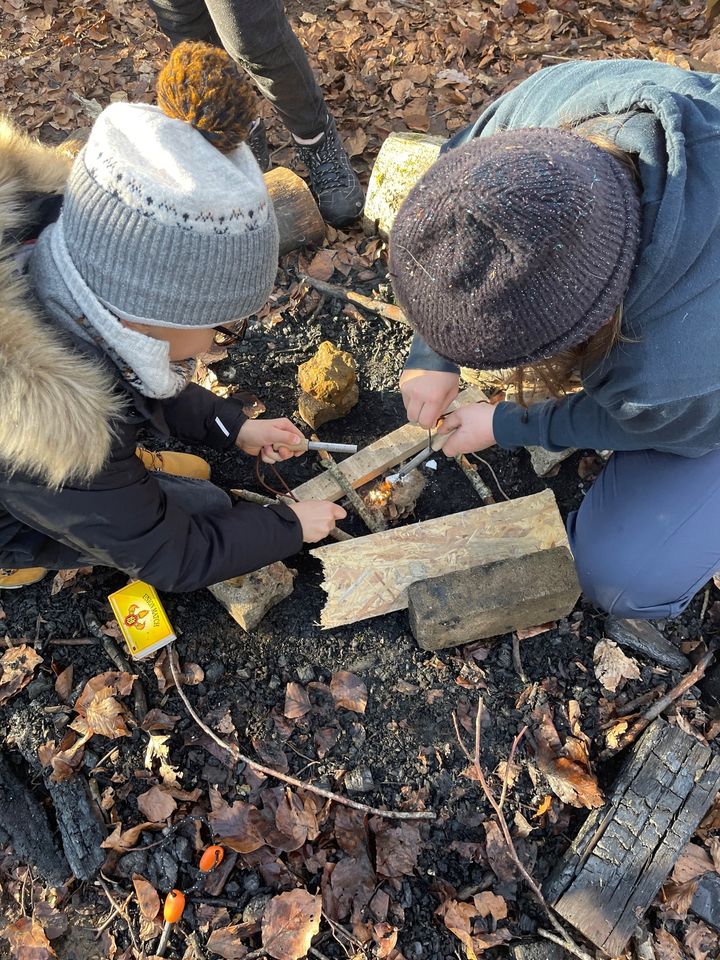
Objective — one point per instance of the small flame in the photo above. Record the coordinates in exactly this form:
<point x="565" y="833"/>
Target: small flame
<point x="381" y="494"/>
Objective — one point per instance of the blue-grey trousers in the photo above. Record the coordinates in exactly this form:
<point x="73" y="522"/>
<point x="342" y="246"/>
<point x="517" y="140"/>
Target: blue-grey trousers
<point x="647" y="536"/>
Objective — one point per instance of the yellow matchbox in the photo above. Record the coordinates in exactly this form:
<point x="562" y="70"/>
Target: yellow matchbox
<point x="141" y="618"/>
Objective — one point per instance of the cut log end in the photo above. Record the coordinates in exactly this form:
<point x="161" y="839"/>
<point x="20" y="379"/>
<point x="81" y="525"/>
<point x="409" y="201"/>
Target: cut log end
<point x="299" y="220"/>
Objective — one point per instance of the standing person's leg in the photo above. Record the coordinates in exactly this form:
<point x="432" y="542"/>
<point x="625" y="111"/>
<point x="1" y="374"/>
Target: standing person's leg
<point x="185" y="20"/>
<point x="647" y="536"/>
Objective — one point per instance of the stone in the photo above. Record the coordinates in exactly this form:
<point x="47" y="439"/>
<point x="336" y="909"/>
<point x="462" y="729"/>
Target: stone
<point x="493" y="598"/>
<point x="706" y="902"/>
<point x="643" y="637"/>
<point x="248" y="598"/>
<point x="317" y="412"/>
<point x="546" y="463"/>
<point x="359" y="780"/>
<point x="328" y="374"/>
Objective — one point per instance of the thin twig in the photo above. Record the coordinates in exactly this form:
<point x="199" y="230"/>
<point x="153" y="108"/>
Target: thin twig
<point x="505" y="830"/>
<point x="689" y="680"/>
<point x="121" y="911"/>
<point x="113" y="913"/>
<point x="388" y="311"/>
<point x="285" y="778"/>
<point x="74" y="642"/>
<point x="566" y="945"/>
<point x="517" y="659"/>
<point x="252" y="497"/>
<point x="494" y="475"/>
<point x="508" y="766"/>
<point x="479" y="485"/>
<point x="122" y="663"/>
<point x="706" y="603"/>
<point x="374" y="523"/>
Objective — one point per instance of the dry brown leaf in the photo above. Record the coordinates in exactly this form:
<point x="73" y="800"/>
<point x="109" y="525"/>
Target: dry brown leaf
<point x="239" y="825"/>
<point x="349" y="691"/>
<point x="357" y="141"/>
<point x="63" y="683"/>
<point x="227" y="943"/>
<point x="297" y="701"/>
<point x="614" y="735"/>
<point x="612" y="666"/>
<point x="397" y="848"/>
<point x="63" y="578"/>
<point x="497" y="853"/>
<point x="416" y="116"/>
<point x="458" y="918"/>
<point x="27" y="940"/>
<point x="66" y="757"/>
<point x="675" y="899"/>
<point x="565" y="766"/>
<point x="190" y="673"/>
<point x="522" y="827"/>
<point x="122" y="840"/>
<point x="289" y="923"/>
<point x="700" y="940"/>
<point x="385" y="937"/>
<point x="544" y="807"/>
<point x="322" y="265"/>
<point x="714" y="847"/>
<point x="147" y="897"/>
<point x="155" y="720"/>
<point x="508" y="772"/>
<point x="489" y="904"/>
<point x="98" y="710"/>
<point x="693" y="862"/>
<point x="295" y="820"/>
<point x="156" y="804"/>
<point x="17" y="666"/>
<point x="535" y="631"/>
<point x="666" y="946"/>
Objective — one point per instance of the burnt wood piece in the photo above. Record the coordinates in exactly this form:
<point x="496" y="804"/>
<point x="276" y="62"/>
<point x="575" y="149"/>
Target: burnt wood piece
<point x="79" y="820"/>
<point x="626" y="849"/>
<point x="24" y="824"/>
<point x="643" y="637"/>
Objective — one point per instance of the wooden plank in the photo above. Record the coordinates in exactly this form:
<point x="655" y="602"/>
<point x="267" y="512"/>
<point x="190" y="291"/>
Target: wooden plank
<point x="626" y="849"/>
<point x="371" y="575"/>
<point x="379" y="457"/>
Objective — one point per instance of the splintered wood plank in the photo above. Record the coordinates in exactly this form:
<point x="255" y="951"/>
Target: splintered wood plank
<point x="626" y="849"/>
<point x="378" y="457"/>
<point x="370" y="576"/>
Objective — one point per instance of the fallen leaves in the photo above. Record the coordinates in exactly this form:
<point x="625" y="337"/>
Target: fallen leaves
<point x="565" y="766"/>
<point x="156" y="804"/>
<point x="289" y="923"/>
<point x="612" y="666"/>
<point x="693" y="862"/>
<point x="297" y="701"/>
<point x="27" y="940"/>
<point x="348" y="691"/>
<point x="397" y="848"/>
<point x="98" y="709"/>
<point x="64" y="578"/>
<point x="147" y="897"/>
<point x="460" y="917"/>
<point x="17" y="666"/>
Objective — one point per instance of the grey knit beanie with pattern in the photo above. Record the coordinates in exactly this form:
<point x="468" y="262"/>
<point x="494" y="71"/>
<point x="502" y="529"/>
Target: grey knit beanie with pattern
<point x="163" y="227"/>
<point x="515" y="246"/>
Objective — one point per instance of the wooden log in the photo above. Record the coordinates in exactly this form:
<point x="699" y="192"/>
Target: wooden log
<point x="371" y="576"/>
<point x="378" y="457"/>
<point x="402" y="160"/>
<point x="299" y="220"/>
<point x="625" y="850"/>
<point x="79" y="820"/>
<point x="25" y="826"/>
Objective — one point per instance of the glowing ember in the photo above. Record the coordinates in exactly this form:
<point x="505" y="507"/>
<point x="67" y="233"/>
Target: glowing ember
<point x="380" y="495"/>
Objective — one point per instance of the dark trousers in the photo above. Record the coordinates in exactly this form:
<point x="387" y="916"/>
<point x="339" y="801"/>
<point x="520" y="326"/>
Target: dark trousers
<point x="256" y="34"/>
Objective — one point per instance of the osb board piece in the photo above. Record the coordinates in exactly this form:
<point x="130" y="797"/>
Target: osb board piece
<point x="626" y="849"/>
<point x="378" y="457"/>
<point x="370" y="576"/>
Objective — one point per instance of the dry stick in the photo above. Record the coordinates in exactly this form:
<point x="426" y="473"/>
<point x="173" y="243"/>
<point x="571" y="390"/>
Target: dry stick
<point x="122" y="663"/>
<point x="494" y="475"/>
<point x="508" y="766"/>
<point x="570" y="947"/>
<point x="374" y="523"/>
<point x="285" y="778"/>
<point x="470" y="471"/>
<point x="121" y="911"/>
<point x="387" y="311"/>
<point x="335" y="534"/>
<point x="689" y="680"/>
<point x="517" y="659"/>
<point x="505" y="830"/>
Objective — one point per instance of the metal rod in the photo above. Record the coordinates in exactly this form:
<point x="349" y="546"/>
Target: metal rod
<point x="332" y="447"/>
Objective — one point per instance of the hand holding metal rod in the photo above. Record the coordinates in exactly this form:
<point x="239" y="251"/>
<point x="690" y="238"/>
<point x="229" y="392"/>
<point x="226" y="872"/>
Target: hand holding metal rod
<point x="306" y="445"/>
<point x="437" y="442"/>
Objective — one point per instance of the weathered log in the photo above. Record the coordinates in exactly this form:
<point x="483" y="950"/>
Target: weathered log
<point x="79" y="821"/>
<point x="625" y="850"/>
<point x="643" y="637"/>
<point x="403" y="159"/>
<point x="298" y="217"/>
<point x="378" y="457"/>
<point x="25" y="826"/>
<point x="371" y="575"/>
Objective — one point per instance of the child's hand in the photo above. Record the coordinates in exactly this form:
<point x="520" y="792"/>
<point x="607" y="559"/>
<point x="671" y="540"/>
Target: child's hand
<point x="472" y="426"/>
<point x="427" y="394"/>
<point x="317" y="518"/>
<point x="263" y="436"/>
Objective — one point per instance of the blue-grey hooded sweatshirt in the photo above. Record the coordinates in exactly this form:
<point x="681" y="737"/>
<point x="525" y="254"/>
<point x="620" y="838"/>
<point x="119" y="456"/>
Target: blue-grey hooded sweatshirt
<point x="660" y="387"/>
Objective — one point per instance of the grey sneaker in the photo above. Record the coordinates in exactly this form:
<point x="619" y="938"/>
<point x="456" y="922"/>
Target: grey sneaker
<point x="257" y="141"/>
<point x="337" y="190"/>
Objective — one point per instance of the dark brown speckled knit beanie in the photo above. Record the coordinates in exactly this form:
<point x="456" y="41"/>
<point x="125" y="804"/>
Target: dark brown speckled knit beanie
<point x="515" y="246"/>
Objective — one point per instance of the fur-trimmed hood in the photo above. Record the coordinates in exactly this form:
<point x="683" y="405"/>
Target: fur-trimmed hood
<point x="56" y="405"/>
